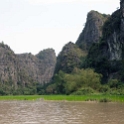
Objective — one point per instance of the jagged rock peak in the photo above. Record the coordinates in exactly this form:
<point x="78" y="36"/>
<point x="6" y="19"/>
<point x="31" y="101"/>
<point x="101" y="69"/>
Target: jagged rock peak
<point x="92" y="30"/>
<point x="71" y="48"/>
<point x="5" y="46"/>
<point x="45" y="53"/>
<point x="94" y="15"/>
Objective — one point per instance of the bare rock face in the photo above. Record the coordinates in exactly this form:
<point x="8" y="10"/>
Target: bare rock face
<point x="48" y="60"/>
<point x="8" y="65"/>
<point x="107" y="56"/>
<point x="113" y="34"/>
<point x="113" y="31"/>
<point x="92" y="30"/>
<point x="23" y="69"/>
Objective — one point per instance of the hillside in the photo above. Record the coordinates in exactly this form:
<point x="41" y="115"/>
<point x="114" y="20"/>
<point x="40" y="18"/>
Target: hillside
<point x="21" y="71"/>
<point x="70" y="57"/>
<point x="95" y="64"/>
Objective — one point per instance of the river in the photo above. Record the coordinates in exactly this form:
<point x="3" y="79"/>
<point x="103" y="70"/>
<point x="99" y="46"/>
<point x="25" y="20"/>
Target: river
<point x="60" y="112"/>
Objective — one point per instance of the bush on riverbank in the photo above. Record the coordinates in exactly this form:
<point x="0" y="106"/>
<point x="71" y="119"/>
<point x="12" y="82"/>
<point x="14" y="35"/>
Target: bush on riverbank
<point x="84" y="91"/>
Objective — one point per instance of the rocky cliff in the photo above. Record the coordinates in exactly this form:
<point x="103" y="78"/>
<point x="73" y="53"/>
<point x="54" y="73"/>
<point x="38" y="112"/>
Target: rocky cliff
<point x="72" y="55"/>
<point x="100" y="47"/>
<point x="92" y="30"/>
<point x="24" y="69"/>
<point x="107" y="56"/>
<point x="103" y="39"/>
<point x="113" y="36"/>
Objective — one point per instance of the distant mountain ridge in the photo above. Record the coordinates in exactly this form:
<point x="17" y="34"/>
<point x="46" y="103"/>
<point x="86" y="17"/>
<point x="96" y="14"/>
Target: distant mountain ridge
<point x="22" y="70"/>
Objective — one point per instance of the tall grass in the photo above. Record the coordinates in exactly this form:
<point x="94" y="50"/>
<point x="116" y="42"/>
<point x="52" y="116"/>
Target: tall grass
<point x="93" y="97"/>
<point x="20" y="97"/>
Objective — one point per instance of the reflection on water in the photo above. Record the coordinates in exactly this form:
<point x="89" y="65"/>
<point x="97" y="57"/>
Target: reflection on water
<point x="47" y="112"/>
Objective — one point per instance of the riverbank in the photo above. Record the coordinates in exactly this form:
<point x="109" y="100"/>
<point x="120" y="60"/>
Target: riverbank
<point x="94" y="97"/>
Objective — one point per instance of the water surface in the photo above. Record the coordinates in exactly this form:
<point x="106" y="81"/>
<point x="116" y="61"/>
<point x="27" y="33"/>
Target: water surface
<point x="62" y="112"/>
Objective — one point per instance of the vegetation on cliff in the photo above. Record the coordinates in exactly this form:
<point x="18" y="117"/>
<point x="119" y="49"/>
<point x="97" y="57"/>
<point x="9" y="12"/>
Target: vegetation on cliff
<point x="70" y="57"/>
<point x="102" y="68"/>
<point x="106" y="55"/>
<point x="23" y="73"/>
<point x="92" y="30"/>
<point x="95" y="64"/>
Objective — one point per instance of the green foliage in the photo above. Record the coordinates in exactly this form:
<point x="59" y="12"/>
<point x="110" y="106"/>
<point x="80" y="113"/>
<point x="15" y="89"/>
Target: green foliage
<point x="112" y="24"/>
<point x="105" y="100"/>
<point x="82" y="78"/>
<point x="84" y="91"/>
<point x="57" y="85"/>
<point x="69" y="58"/>
<point x="8" y="88"/>
<point x="64" y="83"/>
<point x="51" y="89"/>
<point x="104" y="88"/>
<point x="98" y="59"/>
<point x="98" y="56"/>
<point x="113" y="83"/>
<point x="40" y="88"/>
<point x="45" y="54"/>
<point x="91" y="97"/>
<point x="78" y="80"/>
<point x="2" y="92"/>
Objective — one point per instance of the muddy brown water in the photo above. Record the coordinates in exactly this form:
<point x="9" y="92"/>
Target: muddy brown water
<point x="61" y="112"/>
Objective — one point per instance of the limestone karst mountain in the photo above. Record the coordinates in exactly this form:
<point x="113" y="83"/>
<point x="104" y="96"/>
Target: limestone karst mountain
<point x="100" y="47"/>
<point x="107" y="56"/>
<point x="70" y="57"/>
<point x="23" y="70"/>
<point x="92" y="31"/>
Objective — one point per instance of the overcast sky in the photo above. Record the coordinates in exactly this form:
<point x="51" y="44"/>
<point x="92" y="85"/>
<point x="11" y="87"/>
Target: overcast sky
<point x="34" y="25"/>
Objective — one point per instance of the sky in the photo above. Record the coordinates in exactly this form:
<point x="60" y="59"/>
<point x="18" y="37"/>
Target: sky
<point x="30" y="26"/>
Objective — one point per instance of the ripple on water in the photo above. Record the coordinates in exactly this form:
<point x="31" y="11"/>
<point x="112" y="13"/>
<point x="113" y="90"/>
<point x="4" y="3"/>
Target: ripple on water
<point x="43" y="112"/>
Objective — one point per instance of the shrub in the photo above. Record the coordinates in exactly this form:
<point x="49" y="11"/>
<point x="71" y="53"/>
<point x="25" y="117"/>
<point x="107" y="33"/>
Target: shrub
<point x="105" y="100"/>
<point x="104" y="88"/>
<point x="84" y="91"/>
